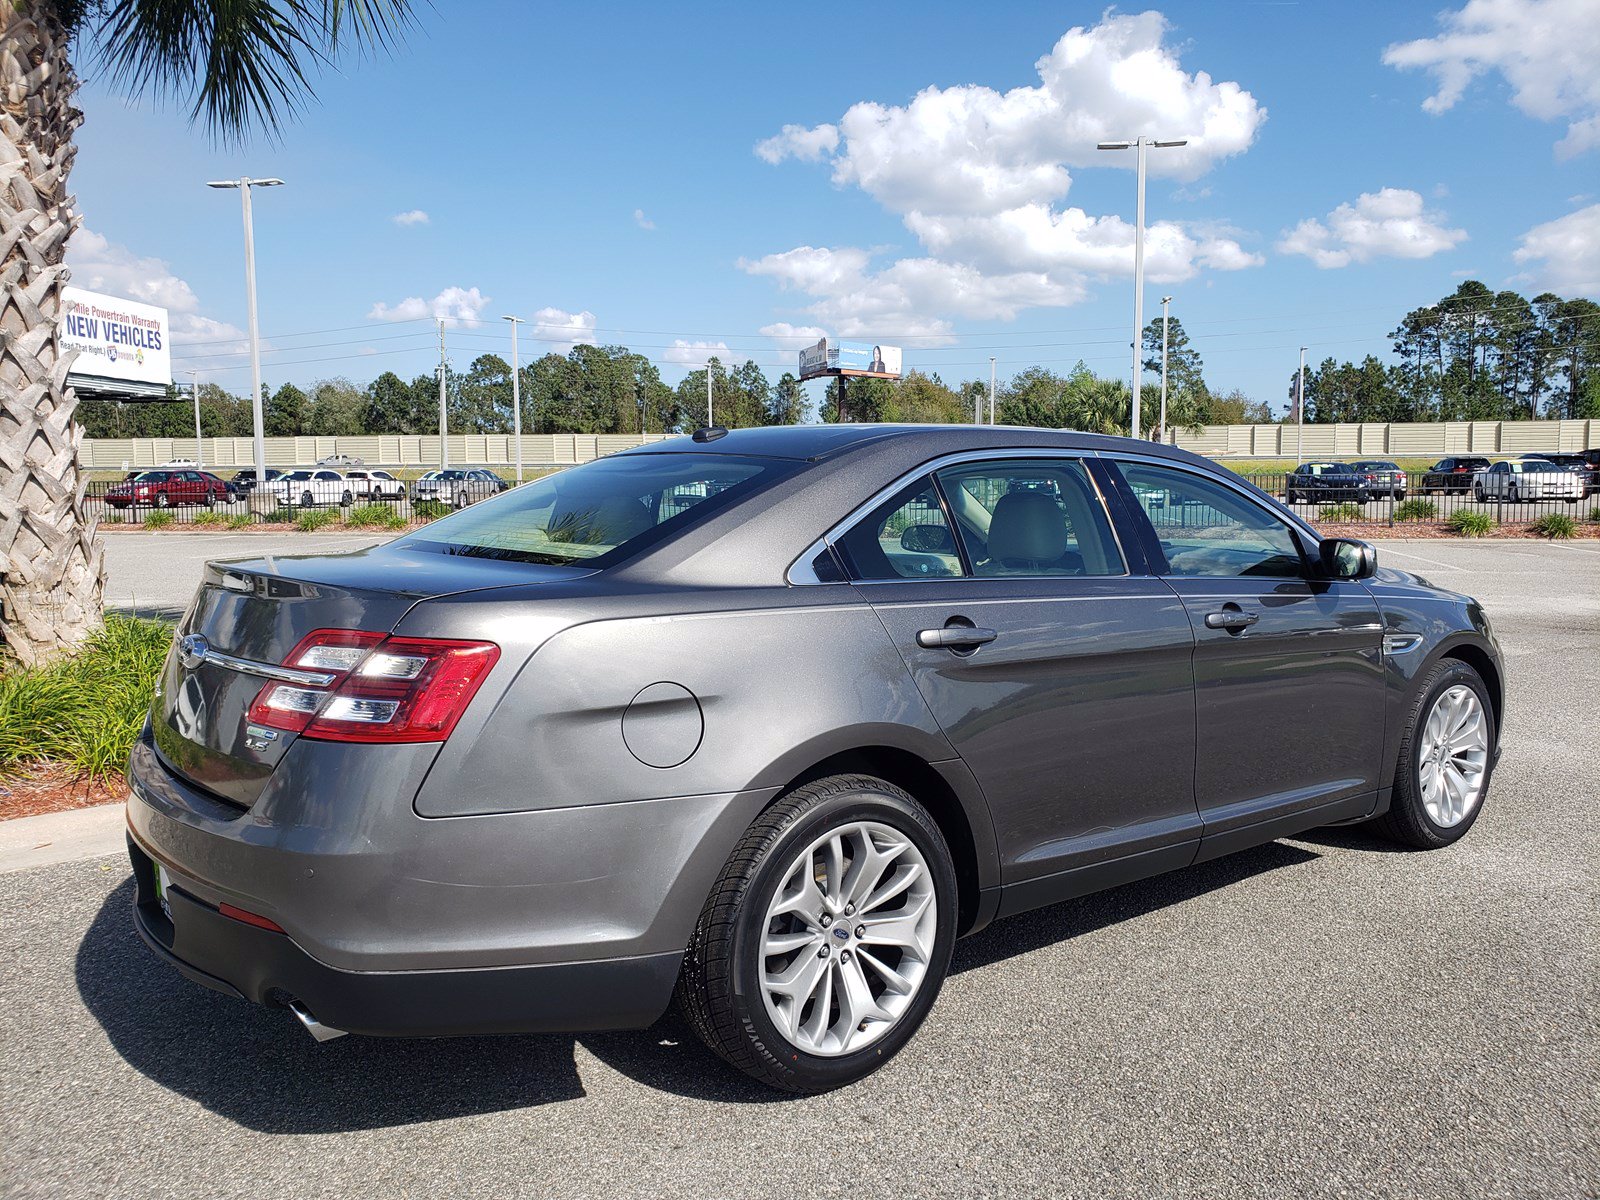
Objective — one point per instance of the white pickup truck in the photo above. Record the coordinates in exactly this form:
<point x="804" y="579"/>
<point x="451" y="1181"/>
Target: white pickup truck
<point x="375" y="485"/>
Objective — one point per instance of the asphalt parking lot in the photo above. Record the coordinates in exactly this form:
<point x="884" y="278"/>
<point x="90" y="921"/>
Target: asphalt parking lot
<point x="1318" y="1017"/>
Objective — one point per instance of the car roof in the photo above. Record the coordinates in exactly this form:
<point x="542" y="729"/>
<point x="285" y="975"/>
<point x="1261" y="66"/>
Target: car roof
<point x="814" y="443"/>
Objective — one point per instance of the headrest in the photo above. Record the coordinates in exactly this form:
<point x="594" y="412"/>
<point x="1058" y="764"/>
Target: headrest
<point x="1027" y="527"/>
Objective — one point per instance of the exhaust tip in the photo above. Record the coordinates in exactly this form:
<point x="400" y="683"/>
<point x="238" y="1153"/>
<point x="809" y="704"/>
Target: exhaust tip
<point x="323" y="1033"/>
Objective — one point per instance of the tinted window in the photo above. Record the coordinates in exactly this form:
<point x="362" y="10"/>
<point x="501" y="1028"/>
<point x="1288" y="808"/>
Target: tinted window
<point x="1207" y="529"/>
<point x="1032" y="516"/>
<point x="326" y="475"/>
<point x="599" y="512"/>
<point x="905" y="537"/>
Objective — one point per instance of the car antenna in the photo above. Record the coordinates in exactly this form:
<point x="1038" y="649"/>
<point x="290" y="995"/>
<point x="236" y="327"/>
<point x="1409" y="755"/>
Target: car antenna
<point x="709" y="433"/>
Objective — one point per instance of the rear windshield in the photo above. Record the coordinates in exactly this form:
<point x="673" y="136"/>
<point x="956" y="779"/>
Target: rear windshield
<point x="598" y="513"/>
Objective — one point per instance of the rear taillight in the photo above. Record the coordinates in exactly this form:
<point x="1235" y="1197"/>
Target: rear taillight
<point x="381" y="689"/>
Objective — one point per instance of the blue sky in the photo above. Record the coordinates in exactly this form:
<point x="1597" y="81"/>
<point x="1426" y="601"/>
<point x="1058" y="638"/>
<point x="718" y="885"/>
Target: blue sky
<point x="596" y="170"/>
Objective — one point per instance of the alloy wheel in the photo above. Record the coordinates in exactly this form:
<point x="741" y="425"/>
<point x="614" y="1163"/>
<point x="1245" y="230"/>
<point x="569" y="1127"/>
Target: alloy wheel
<point x="847" y="939"/>
<point x="1453" y="756"/>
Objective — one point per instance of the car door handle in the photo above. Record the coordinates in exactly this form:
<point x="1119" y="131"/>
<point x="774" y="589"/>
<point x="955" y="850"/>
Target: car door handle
<point x="1231" y="618"/>
<point x="959" y="637"/>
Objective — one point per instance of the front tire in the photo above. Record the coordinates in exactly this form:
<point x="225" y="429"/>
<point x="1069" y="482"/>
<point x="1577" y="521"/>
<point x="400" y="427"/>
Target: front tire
<point x="1446" y="760"/>
<point x="826" y="938"/>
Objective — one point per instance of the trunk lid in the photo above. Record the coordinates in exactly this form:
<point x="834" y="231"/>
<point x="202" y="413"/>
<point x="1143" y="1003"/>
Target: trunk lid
<point x="253" y="612"/>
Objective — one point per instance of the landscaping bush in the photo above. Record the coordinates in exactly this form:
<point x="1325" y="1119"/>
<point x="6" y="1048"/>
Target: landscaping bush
<point x="1469" y="522"/>
<point x="1555" y="525"/>
<point x="157" y="518"/>
<point x="375" y="516"/>
<point x="429" y="510"/>
<point x="1334" y="513"/>
<point x="238" y="520"/>
<point x="1416" y="510"/>
<point x="311" y="519"/>
<point x="211" y="519"/>
<point x="86" y="710"/>
<point x="1594" y="513"/>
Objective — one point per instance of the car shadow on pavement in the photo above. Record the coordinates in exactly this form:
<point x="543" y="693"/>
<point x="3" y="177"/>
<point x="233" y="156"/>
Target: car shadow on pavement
<point x="257" y="1067"/>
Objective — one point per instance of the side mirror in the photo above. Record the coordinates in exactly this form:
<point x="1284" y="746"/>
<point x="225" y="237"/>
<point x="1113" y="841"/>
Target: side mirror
<point x="1348" y="558"/>
<point x="927" y="539"/>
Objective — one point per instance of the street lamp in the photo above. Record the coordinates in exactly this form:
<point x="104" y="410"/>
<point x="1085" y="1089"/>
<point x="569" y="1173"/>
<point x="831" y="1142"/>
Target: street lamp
<point x="244" y="184"/>
<point x="1166" y="302"/>
<point x="516" y="394"/>
<point x="1141" y="144"/>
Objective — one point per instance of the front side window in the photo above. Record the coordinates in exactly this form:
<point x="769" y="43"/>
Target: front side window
<point x="1032" y="517"/>
<point x="599" y="512"/>
<point x="1208" y="529"/>
<point x="905" y="537"/>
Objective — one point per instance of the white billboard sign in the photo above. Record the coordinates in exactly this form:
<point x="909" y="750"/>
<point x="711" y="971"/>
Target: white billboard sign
<point x="814" y="360"/>
<point x="118" y="341"/>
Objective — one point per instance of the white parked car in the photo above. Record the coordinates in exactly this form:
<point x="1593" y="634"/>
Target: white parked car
<point x="306" y="488"/>
<point x="375" y="485"/>
<point x="1528" y="479"/>
<point x="180" y="464"/>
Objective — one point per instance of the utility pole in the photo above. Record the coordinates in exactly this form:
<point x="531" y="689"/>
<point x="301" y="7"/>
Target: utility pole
<point x="1166" y="302"/>
<point x="244" y="183"/>
<point x="444" y="419"/>
<point x="991" y="389"/>
<point x="194" y="392"/>
<point x="709" y="421"/>
<point x="1141" y="144"/>
<point x="516" y="394"/>
<point x="1300" y="411"/>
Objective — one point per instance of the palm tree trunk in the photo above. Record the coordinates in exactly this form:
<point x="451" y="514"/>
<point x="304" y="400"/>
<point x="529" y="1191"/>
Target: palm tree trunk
<point x="52" y="574"/>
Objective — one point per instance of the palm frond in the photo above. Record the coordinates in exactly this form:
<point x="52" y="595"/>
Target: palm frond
<point x="240" y="65"/>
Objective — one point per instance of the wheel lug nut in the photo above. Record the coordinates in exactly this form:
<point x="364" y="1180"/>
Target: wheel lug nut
<point x="849" y="910"/>
<point x="825" y="920"/>
<point x="861" y="931"/>
<point x="823" y="952"/>
<point x="844" y="956"/>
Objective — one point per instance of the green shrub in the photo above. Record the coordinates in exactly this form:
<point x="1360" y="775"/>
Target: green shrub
<point x="157" y="518"/>
<point x="311" y="519"/>
<point x="429" y="510"/>
<point x="282" y="516"/>
<point x="1594" y="513"/>
<point x="86" y="710"/>
<point x="1555" y="525"/>
<point x="375" y="516"/>
<point x="1416" y="510"/>
<point x="238" y="520"/>
<point x="1340" y="512"/>
<point x="1469" y="522"/>
<point x="211" y="519"/>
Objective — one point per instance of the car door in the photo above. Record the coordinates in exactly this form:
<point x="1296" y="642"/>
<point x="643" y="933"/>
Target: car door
<point x="1059" y="672"/>
<point x="1288" y="665"/>
<point x="1495" y="480"/>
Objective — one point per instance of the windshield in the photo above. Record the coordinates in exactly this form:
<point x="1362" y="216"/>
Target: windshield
<point x="1376" y="466"/>
<point x="588" y="514"/>
<point x="299" y="475"/>
<point x="1536" y="466"/>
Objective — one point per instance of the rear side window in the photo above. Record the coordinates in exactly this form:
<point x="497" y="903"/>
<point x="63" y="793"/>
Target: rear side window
<point x="1032" y="517"/>
<point x="905" y="537"/>
<point x="1208" y="529"/>
<point x="600" y="512"/>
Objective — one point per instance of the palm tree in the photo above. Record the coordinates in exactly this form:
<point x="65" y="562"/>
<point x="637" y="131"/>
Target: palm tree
<point x="240" y="66"/>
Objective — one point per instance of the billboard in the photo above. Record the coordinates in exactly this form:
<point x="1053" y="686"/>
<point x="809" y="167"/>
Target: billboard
<point x="874" y="361"/>
<point x="123" y="347"/>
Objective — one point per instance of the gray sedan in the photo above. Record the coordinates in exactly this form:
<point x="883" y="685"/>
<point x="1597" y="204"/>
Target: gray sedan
<point x="764" y="720"/>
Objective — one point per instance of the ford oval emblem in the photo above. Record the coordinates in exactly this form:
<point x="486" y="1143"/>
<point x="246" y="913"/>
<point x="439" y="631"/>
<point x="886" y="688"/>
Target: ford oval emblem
<point x="192" y="650"/>
<point x="839" y="931"/>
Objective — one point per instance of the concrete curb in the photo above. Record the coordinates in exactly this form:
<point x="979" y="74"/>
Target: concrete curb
<point x="78" y="833"/>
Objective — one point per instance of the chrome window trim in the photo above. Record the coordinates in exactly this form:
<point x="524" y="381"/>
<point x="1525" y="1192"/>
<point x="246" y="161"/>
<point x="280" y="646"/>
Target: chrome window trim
<point x="281" y="674"/>
<point x="800" y="573"/>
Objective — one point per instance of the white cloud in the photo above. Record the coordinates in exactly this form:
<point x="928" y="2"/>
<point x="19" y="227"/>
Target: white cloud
<point x="1390" y="223"/>
<point x="694" y="354"/>
<point x="978" y="176"/>
<point x="642" y="221"/>
<point x="101" y="265"/>
<point x="793" y="337"/>
<point x="1564" y="254"/>
<point x="1546" y="50"/>
<point x="452" y="304"/>
<point x="796" y="141"/>
<point x="414" y="216"/>
<point x="562" y="329"/>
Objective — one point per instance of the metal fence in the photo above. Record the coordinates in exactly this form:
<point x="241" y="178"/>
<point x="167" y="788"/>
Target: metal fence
<point x="113" y="504"/>
<point x="1415" y="504"/>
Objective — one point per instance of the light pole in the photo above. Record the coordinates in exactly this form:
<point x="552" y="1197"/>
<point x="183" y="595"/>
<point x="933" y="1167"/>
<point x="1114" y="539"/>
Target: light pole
<point x="991" y="389"/>
<point x="1300" y="411"/>
<point x="709" y="421"/>
<point x="444" y="417"/>
<point x="194" y="392"/>
<point x="1166" y="302"/>
<point x="1141" y="144"/>
<point x="516" y="394"/>
<point x="244" y="183"/>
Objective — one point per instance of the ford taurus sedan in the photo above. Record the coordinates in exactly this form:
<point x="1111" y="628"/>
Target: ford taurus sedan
<point x="765" y="720"/>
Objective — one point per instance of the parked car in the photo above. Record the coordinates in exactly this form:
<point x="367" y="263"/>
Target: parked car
<point x="167" y="489"/>
<point x="1314" y="482"/>
<point x="340" y="460"/>
<point x="244" y="482"/>
<point x="1384" y="477"/>
<point x="1585" y="465"/>
<point x="1528" y="479"/>
<point x="1453" y="474"/>
<point x="375" y="485"/>
<point x="180" y="464"/>
<point x="458" y="488"/>
<point x="543" y="764"/>
<point x="308" y="488"/>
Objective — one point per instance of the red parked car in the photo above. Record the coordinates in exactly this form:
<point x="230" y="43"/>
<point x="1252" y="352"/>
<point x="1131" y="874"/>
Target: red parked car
<point x="165" y="489"/>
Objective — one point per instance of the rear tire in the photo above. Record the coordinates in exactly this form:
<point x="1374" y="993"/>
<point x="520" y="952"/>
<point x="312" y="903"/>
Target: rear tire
<point x="307" y="500"/>
<point x="162" y="501"/>
<point x="747" y="940"/>
<point x="1428" y="810"/>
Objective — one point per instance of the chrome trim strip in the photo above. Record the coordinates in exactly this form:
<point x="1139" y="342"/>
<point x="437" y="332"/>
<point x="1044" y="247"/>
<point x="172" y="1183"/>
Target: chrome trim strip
<point x="800" y="573"/>
<point x="246" y="666"/>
